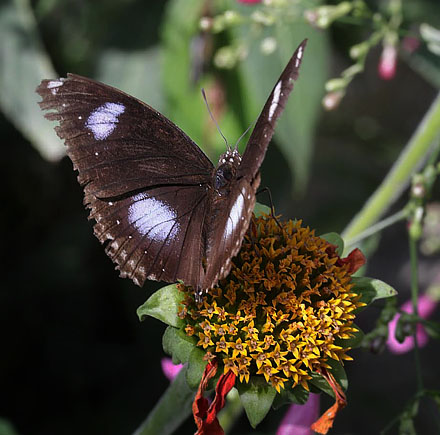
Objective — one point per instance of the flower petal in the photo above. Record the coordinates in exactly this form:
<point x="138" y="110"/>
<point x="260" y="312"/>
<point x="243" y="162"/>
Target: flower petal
<point x="201" y="405"/>
<point x="355" y="259"/>
<point x="325" y="422"/>
<point x="205" y="416"/>
<point x="426" y="307"/>
<point x="298" y="418"/>
<point x="170" y="370"/>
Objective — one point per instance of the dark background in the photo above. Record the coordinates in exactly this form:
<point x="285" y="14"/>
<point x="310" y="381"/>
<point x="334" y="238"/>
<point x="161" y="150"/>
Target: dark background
<point x="74" y="357"/>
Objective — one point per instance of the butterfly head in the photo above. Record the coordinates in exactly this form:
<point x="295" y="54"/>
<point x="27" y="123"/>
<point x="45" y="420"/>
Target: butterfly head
<point x="226" y="170"/>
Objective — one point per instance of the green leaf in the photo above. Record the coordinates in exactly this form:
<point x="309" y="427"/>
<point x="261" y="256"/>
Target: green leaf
<point x="298" y="395"/>
<point x="163" y="305"/>
<point x="137" y="72"/>
<point x="186" y="107"/>
<point x="6" y="428"/>
<point x="372" y="289"/>
<point x="259" y="209"/>
<point x="259" y="72"/>
<point x="335" y="239"/>
<point x="256" y="397"/>
<point x="24" y="63"/>
<point x="196" y="366"/>
<point x="177" y="344"/>
<point x="432" y="328"/>
<point x="173" y="408"/>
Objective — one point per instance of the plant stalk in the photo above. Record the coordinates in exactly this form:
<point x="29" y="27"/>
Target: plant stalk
<point x="399" y="177"/>
<point x="173" y="408"/>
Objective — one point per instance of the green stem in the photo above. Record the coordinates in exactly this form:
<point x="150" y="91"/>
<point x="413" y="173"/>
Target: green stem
<point x="173" y="408"/>
<point x="398" y="178"/>
<point x="414" y="299"/>
<point x="379" y="226"/>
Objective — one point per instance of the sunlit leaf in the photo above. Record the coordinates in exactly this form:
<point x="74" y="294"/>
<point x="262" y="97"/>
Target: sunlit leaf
<point x="372" y="289"/>
<point x="259" y="209"/>
<point x="163" y="305"/>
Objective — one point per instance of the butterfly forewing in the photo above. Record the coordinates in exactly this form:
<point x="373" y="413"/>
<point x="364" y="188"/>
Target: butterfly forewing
<point x="265" y="125"/>
<point x="117" y="143"/>
<point x="145" y="181"/>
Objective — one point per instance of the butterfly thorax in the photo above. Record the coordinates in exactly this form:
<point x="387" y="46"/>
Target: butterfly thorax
<point x="226" y="171"/>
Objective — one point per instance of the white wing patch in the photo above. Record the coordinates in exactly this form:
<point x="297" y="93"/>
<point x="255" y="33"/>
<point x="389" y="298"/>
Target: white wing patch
<point x="153" y="218"/>
<point x="234" y="216"/>
<point x="275" y="100"/>
<point x="102" y="121"/>
<point x="298" y="56"/>
<point x="53" y="85"/>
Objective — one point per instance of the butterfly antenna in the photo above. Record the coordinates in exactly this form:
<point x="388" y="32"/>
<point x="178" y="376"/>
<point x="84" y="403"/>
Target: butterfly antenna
<point x="243" y="135"/>
<point x="213" y="119"/>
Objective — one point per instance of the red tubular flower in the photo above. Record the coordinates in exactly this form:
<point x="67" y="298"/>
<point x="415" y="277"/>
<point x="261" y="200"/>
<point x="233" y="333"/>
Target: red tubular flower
<point x="325" y="422"/>
<point x="205" y="415"/>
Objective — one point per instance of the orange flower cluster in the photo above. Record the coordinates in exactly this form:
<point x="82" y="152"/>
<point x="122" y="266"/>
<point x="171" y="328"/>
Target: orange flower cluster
<point x="282" y="312"/>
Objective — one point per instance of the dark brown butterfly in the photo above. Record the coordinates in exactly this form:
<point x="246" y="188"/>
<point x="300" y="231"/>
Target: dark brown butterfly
<point x="163" y="209"/>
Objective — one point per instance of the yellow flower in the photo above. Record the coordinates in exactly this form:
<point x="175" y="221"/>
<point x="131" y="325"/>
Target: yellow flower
<point x="284" y="310"/>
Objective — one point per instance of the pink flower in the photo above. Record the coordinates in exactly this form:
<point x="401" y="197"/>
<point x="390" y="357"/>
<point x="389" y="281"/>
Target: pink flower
<point x="387" y="63"/>
<point x="299" y="418"/>
<point x="169" y="369"/>
<point x="426" y="306"/>
<point x="410" y="44"/>
<point x="332" y="99"/>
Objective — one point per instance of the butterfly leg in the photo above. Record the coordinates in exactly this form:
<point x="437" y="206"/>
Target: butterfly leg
<point x="272" y="208"/>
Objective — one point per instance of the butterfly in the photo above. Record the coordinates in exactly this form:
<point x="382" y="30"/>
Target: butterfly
<point x="162" y="209"/>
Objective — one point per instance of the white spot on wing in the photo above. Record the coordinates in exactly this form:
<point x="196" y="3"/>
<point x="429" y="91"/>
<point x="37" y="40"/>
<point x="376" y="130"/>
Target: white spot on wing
<point x="153" y="218"/>
<point x="102" y="121"/>
<point x="234" y="216"/>
<point x="275" y="100"/>
<point x="53" y="85"/>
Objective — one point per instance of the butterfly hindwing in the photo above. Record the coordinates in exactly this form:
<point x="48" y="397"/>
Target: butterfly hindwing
<point x="150" y="238"/>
